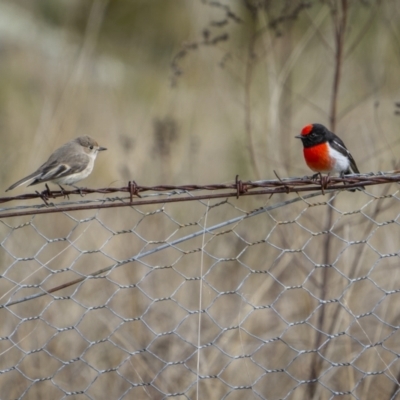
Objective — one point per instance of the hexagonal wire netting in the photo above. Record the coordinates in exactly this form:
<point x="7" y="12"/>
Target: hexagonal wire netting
<point x="250" y="298"/>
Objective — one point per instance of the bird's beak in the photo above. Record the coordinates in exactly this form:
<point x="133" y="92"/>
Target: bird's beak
<point x="298" y="137"/>
<point x="101" y="149"/>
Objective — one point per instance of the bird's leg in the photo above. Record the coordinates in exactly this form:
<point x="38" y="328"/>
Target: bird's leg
<point x="78" y="188"/>
<point x="315" y="176"/>
<point x="343" y="174"/>
<point x="312" y="177"/>
<point x="63" y="191"/>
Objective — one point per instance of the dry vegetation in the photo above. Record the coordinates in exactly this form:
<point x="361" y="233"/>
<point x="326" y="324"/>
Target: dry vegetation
<point x="297" y="303"/>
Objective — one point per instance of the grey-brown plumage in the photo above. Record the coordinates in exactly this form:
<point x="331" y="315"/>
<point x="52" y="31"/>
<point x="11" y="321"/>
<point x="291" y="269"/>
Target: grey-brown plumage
<point x="69" y="164"/>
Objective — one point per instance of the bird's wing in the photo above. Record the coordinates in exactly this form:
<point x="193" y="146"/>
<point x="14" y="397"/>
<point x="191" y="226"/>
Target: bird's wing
<point x="338" y="145"/>
<point x="54" y="170"/>
<point x="51" y="172"/>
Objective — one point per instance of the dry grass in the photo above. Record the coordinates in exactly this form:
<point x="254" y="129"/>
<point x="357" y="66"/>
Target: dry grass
<point x="105" y="71"/>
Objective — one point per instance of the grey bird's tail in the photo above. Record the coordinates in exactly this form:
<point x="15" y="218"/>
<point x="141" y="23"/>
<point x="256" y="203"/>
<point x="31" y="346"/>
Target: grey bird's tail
<point x="28" y="178"/>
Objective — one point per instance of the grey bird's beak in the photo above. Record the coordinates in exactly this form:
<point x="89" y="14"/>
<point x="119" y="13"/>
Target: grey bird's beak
<point x="298" y="137"/>
<point x="101" y="149"/>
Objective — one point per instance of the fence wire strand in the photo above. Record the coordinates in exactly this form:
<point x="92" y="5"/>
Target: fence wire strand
<point x="233" y="294"/>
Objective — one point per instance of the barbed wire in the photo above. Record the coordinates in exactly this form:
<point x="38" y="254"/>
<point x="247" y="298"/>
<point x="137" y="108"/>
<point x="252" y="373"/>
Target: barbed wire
<point x="240" y="188"/>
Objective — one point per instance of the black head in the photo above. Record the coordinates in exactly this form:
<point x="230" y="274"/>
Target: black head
<point x="313" y="134"/>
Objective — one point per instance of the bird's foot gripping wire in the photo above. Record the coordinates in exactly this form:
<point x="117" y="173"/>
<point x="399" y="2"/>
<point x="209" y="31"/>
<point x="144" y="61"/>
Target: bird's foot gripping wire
<point x="77" y="188"/>
<point x="63" y="192"/>
<point x="316" y="176"/>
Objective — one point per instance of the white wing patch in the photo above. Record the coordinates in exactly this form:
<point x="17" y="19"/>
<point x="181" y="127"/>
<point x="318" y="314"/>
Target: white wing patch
<point x="55" y="172"/>
<point x="342" y="162"/>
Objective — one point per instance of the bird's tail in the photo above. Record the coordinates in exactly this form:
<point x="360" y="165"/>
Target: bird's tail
<point x="28" y="178"/>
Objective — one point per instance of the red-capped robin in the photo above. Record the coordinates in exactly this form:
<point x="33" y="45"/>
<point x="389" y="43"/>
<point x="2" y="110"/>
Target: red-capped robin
<point x="325" y="152"/>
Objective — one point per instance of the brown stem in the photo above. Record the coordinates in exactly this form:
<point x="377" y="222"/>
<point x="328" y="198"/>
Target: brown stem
<point x="247" y="102"/>
<point x="340" y="21"/>
<point x="316" y="365"/>
<point x="340" y="30"/>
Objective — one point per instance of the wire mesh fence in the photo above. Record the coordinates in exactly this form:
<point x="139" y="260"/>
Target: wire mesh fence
<point x="292" y="296"/>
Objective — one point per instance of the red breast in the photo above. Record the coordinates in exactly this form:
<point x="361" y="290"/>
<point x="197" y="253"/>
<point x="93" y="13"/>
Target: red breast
<point x="317" y="157"/>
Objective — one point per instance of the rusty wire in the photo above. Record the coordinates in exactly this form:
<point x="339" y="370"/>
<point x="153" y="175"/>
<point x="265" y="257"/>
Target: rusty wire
<point x="235" y="189"/>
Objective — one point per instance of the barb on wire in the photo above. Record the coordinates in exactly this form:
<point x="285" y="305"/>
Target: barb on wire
<point x="172" y="193"/>
<point x="240" y="187"/>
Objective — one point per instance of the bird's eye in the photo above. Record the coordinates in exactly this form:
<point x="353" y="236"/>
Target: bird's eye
<point x="91" y="147"/>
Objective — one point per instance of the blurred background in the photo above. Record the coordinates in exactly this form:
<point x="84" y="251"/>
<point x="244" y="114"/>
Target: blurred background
<point x="196" y="91"/>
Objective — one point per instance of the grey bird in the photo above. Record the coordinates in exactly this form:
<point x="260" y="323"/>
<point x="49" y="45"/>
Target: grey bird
<point x="69" y="164"/>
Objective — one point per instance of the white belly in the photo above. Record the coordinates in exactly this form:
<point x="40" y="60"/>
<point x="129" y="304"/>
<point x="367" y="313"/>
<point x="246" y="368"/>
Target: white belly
<point x="342" y="162"/>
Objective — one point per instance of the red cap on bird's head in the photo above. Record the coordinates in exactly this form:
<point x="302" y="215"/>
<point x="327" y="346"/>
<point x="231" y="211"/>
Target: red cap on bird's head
<point x="307" y="129"/>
